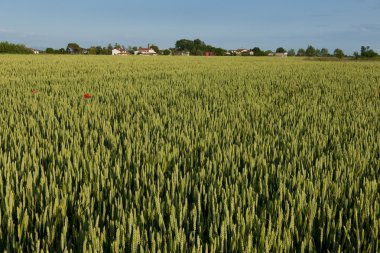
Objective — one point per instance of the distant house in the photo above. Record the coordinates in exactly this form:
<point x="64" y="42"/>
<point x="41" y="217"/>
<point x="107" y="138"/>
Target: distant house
<point x="185" y="53"/>
<point x="281" y="54"/>
<point x="244" y="52"/>
<point x="119" y="51"/>
<point x="145" y="51"/>
<point x="270" y="54"/>
<point x="208" y="53"/>
<point x="181" y="53"/>
<point x="247" y="53"/>
<point x="35" y="51"/>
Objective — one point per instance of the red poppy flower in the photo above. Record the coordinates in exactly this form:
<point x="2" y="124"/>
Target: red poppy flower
<point x="86" y="95"/>
<point x="35" y="91"/>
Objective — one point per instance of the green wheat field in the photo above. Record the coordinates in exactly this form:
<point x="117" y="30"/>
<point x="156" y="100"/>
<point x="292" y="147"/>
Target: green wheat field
<point x="188" y="154"/>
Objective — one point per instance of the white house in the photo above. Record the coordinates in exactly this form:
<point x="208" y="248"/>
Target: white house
<point x="35" y="51"/>
<point x="281" y="54"/>
<point x="145" y="51"/>
<point x="244" y="52"/>
<point x="115" y="51"/>
<point x="119" y="51"/>
<point x="180" y="53"/>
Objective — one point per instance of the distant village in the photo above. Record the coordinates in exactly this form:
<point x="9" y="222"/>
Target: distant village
<point x="151" y="52"/>
<point x="185" y="47"/>
<point x="182" y="47"/>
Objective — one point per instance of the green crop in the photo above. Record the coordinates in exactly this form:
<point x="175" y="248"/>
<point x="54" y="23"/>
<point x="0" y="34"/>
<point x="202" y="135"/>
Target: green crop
<point x="188" y="154"/>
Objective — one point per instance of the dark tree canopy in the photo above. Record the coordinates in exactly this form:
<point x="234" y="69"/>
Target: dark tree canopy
<point x="184" y="44"/>
<point x="197" y="47"/>
<point x="324" y="52"/>
<point x="73" y="48"/>
<point x="257" y="51"/>
<point x="310" y="51"/>
<point x="156" y="49"/>
<point x="291" y="52"/>
<point x="356" y="55"/>
<point x="10" y="48"/>
<point x="50" y="50"/>
<point x="338" y="53"/>
<point x="301" y="52"/>
<point x="366" y="51"/>
<point x="99" y="50"/>
<point x="166" y="52"/>
<point x="280" y="50"/>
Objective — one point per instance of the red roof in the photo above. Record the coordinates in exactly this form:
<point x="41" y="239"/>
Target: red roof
<point x="208" y="53"/>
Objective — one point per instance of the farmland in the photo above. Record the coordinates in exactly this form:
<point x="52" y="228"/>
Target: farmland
<point x="177" y="154"/>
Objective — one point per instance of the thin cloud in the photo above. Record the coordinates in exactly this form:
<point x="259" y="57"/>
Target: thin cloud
<point x="3" y="30"/>
<point x="19" y="34"/>
<point x="370" y="28"/>
<point x="321" y="15"/>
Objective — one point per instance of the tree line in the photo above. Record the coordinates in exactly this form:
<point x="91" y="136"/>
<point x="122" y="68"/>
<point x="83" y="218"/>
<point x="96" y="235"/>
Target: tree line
<point x="74" y="48"/>
<point x="10" y="48"/>
<point x="195" y="47"/>
<point x="311" y="51"/>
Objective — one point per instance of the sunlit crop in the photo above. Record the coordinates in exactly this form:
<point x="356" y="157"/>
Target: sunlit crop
<point x="188" y="154"/>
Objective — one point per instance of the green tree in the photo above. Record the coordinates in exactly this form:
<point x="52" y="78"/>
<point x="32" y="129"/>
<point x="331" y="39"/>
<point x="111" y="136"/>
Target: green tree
<point x="219" y="51"/>
<point x="10" y="48"/>
<point x="198" y="52"/>
<point x="156" y="49"/>
<point x="291" y="52"/>
<point x="196" y="47"/>
<point x="198" y="44"/>
<point x="338" y="53"/>
<point x="301" y="52"/>
<point x="324" y="52"/>
<point x="184" y="44"/>
<point x="92" y="50"/>
<point x="268" y="52"/>
<point x="73" y="48"/>
<point x="50" y="50"/>
<point x="109" y="48"/>
<point x="280" y="50"/>
<point x="366" y="51"/>
<point x="61" y="51"/>
<point x="257" y="51"/>
<point x="356" y="55"/>
<point x="166" y="52"/>
<point x="310" y="51"/>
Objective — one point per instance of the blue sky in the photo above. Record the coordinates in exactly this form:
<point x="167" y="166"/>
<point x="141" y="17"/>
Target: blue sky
<point x="346" y="24"/>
